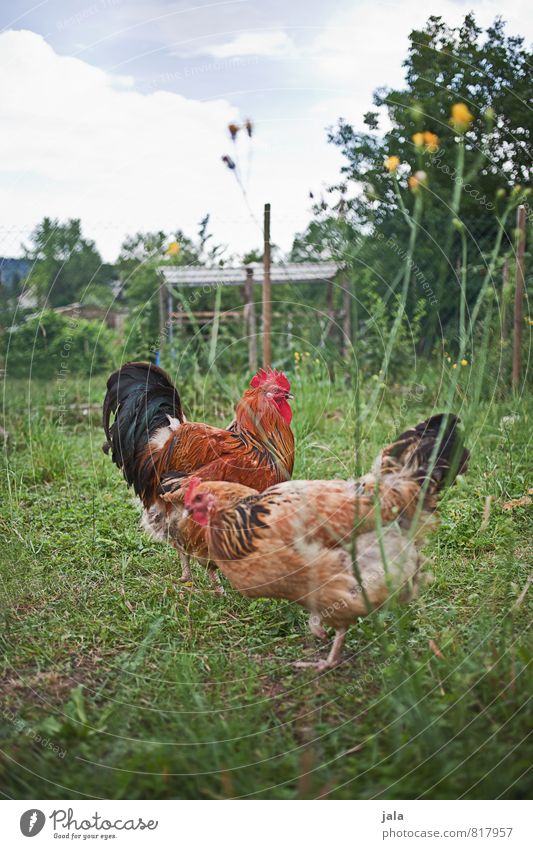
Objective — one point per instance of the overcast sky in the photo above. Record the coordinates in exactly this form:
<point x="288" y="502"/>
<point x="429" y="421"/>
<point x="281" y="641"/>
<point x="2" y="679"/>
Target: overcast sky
<point x="116" y="111"/>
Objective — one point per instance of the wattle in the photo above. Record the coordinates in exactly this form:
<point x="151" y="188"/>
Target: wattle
<point x="284" y="410"/>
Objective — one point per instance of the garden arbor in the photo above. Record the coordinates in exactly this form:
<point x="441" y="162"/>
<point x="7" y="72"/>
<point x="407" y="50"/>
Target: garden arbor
<point x="184" y="284"/>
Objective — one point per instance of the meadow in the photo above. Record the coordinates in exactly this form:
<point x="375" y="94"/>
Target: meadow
<point x="118" y="681"/>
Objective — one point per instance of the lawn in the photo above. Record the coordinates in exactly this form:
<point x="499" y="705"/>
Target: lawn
<point x="118" y="681"/>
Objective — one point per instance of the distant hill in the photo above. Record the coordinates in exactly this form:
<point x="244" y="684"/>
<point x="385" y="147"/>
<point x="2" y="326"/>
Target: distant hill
<point x="13" y="271"/>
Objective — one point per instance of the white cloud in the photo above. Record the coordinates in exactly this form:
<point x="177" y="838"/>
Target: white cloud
<point x="363" y="46"/>
<point x="268" y="44"/>
<point x="80" y="142"/>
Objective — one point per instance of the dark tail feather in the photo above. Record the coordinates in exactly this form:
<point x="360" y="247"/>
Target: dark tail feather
<point x="417" y="451"/>
<point x="141" y="396"/>
<point x="171" y="485"/>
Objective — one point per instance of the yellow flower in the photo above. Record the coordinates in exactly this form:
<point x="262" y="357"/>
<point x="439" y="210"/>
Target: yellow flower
<point x="431" y="142"/>
<point x="454" y="365"/>
<point x="418" y="179"/>
<point x="530" y="321"/>
<point x="173" y="249"/>
<point x="391" y="164"/>
<point x="464" y="362"/>
<point x="418" y="139"/>
<point x="461" y="117"/>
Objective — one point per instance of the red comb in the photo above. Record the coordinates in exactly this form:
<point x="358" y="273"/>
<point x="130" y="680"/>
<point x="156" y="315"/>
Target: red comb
<point x="193" y="483"/>
<point x="270" y="375"/>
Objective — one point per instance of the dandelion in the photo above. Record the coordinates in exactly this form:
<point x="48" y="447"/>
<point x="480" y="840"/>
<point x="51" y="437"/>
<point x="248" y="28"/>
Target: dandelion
<point x="173" y="249"/>
<point x="464" y="362"/>
<point x="461" y="117"/>
<point x="391" y="164"/>
<point x="431" y="142"/>
<point x="233" y="130"/>
<point x="454" y="365"/>
<point x="418" y="179"/>
<point x="418" y="139"/>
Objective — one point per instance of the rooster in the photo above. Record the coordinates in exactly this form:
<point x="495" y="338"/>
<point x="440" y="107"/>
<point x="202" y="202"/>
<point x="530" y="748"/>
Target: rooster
<point x="297" y="540"/>
<point x="150" y="438"/>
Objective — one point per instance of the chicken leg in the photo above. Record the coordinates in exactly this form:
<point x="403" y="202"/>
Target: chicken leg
<point x="186" y="574"/>
<point x="316" y="628"/>
<point x="214" y="576"/>
<point x="333" y="657"/>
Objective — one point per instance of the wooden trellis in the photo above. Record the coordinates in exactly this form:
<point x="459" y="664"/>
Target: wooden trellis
<point x="176" y="278"/>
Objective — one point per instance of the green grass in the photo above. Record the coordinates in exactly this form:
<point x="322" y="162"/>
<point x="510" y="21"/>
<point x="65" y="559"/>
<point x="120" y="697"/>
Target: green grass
<point x="148" y="689"/>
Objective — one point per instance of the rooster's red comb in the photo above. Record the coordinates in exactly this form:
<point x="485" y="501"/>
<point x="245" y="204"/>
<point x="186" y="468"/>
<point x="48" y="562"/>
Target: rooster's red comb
<point x="191" y="486"/>
<point x="270" y="376"/>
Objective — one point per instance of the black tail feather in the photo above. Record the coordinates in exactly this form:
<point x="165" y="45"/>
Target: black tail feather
<point x="141" y="396"/>
<point x="417" y="450"/>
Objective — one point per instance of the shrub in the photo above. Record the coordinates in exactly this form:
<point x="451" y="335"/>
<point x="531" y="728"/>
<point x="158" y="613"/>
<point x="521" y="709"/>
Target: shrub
<point x="51" y="343"/>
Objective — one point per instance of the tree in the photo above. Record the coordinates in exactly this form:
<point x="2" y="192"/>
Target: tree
<point x="255" y="255"/>
<point x="486" y="72"/>
<point x="65" y="265"/>
<point x="139" y="265"/>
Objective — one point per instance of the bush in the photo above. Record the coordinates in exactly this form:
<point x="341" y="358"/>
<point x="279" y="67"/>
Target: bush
<point x="54" y="344"/>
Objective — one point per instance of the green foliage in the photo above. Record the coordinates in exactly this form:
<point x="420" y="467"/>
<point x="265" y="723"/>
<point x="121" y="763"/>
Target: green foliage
<point x="469" y="176"/>
<point x="67" y="268"/>
<point x="139" y="266"/>
<point x="51" y="345"/>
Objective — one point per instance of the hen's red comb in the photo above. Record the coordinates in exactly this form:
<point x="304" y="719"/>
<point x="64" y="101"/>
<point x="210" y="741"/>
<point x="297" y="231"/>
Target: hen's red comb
<point x="191" y="486"/>
<point x="268" y="376"/>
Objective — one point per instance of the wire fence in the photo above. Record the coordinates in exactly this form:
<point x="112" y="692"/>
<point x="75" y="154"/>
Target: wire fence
<point x="318" y="319"/>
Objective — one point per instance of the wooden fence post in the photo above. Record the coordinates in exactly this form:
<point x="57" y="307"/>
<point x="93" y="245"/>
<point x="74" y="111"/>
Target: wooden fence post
<point x="330" y="301"/>
<point x="170" y="329"/>
<point x="267" y="303"/>
<point x="519" y="294"/>
<point x="162" y="319"/>
<point x="249" y="320"/>
<point x="347" y="319"/>
<point x="505" y="295"/>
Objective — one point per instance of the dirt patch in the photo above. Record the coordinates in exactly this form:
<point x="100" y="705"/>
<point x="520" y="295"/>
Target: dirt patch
<point x="25" y="687"/>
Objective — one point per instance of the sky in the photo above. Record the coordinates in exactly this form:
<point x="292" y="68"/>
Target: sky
<point x="116" y="112"/>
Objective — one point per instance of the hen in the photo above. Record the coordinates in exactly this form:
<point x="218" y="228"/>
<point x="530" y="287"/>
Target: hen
<point x="150" y="438"/>
<point x="294" y="541"/>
